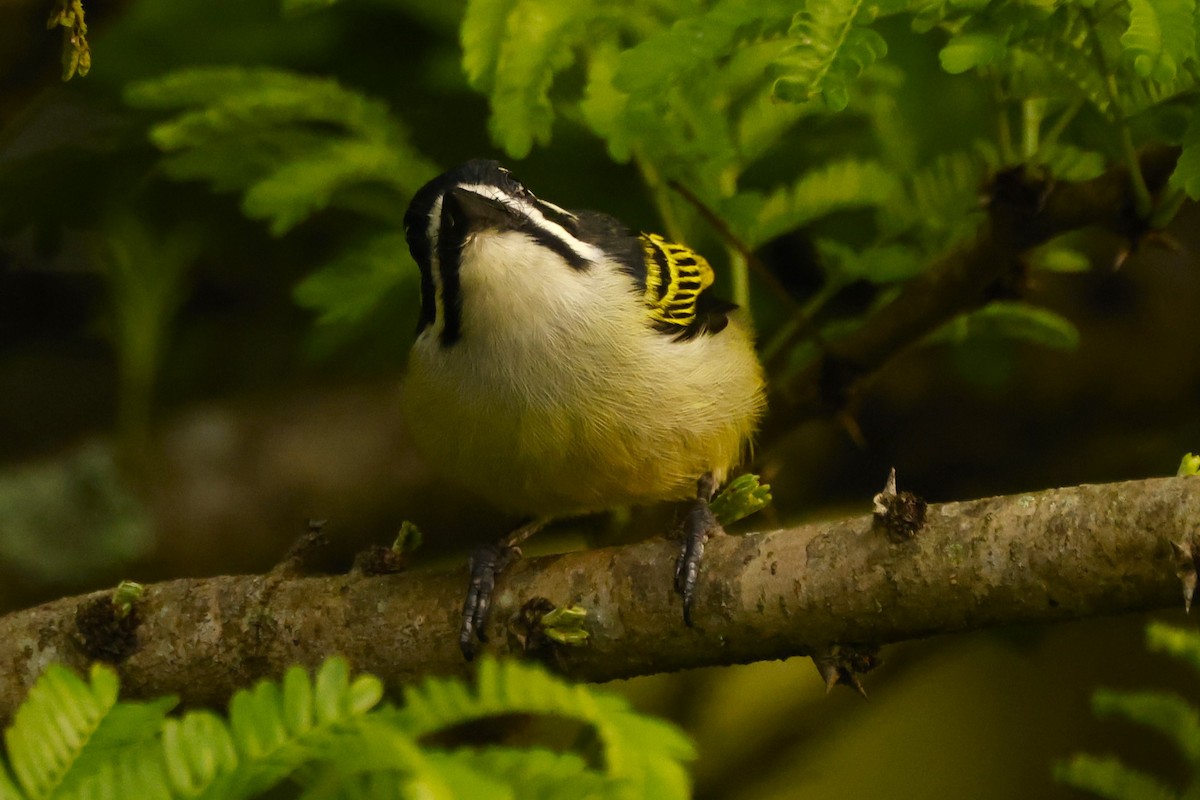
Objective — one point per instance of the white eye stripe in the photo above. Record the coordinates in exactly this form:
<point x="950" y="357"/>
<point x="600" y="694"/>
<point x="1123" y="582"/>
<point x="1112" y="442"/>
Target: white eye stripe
<point x="559" y="209"/>
<point x="534" y="214"/>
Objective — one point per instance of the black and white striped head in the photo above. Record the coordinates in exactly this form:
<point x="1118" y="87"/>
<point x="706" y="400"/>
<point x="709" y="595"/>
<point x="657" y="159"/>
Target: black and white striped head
<point x="481" y="196"/>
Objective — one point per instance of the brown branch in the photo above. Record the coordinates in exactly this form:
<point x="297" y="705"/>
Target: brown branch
<point x="1023" y="212"/>
<point x="1054" y="555"/>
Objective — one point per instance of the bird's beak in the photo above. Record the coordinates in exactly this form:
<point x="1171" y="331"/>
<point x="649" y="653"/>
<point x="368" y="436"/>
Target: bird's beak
<point x="474" y="211"/>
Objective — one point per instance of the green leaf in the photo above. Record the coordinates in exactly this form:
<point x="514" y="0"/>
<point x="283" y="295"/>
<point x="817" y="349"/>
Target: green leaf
<point x="297" y="189"/>
<point x="349" y="288"/>
<point x="942" y="199"/>
<point x="537" y="43"/>
<point x="740" y="498"/>
<point x="1109" y="778"/>
<point x="373" y="758"/>
<point x="481" y="35"/>
<point x="645" y="754"/>
<point x="55" y="723"/>
<point x="294" y="144"/>
<point x="1062" y="59"/>
<point x="538" y="774"/>
<point x="1012" y="320"/>
<point x="565" y="625"/>
<point x="880" y="264"/>
<point x="1160" y="37"/>
<point x="603" y="105"/>
<point x="692" y="44"/>
<point x="1053" y="258"/>
<point x="832" y="51"/>
<point x="129" y="730"/>
<point x="1181" y="643"/>
<point x="132" y="771"/>
<point x="1190" y="465"/>
<point x="836" y="186"/>
<point x="1187" y="170"/>
<point x="197" y="749"/>
<point x="972" y="50"/>
<point x="1165" y="712"/>
<point x="1069" y="163"/>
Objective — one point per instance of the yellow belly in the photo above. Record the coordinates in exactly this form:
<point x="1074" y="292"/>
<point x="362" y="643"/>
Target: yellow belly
<point x="550" y="435"/>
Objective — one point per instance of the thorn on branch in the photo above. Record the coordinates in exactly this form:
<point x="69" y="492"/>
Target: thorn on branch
<point x="841" y="663"/>
<point x="106" y="628"/>
<point x="1186" y="566"/>
<point x="899" y="514"/>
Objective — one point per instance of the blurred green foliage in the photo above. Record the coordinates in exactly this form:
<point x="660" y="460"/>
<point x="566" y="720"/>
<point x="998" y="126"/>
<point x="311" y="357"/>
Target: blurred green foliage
<point x="224" y="148"/>
<point x="1177" y="720"/>
<point x="869" y="126"/>
<point x="327" y="736"/>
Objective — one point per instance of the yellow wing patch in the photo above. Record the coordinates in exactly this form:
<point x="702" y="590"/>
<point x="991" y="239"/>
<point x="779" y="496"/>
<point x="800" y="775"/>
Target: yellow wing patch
<point x="676" y="275"/>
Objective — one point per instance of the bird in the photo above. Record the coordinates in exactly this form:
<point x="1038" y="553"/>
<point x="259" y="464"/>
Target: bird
<point x="565" y="365"/>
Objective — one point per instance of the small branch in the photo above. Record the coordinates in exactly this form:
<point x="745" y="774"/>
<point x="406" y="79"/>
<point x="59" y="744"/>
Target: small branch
<point x="1054" y="555"/>
<point x="1023" y="213"/>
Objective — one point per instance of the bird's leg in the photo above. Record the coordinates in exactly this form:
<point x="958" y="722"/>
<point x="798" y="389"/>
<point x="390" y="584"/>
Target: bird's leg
<point x="699" y="524"/>
<point x="485" y="564"/>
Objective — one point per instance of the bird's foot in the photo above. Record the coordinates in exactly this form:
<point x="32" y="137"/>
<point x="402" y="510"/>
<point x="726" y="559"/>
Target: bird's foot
<point x="485" y="565"/>
<point x="697" y="527"/>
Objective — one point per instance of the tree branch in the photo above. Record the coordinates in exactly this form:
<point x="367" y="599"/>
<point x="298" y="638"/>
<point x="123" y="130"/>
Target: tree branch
<point x="1053" y="555"/>
<point x="1023" y="212"/>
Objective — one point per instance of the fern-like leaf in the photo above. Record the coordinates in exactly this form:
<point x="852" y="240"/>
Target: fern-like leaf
<point x="1012" y="320"/>
<point x="198" y="750"/>
<point x="539" y="774"/>
<point x="1069" y="53"/>
<point x="1187" y="170"/>
<point x="832" y="50"/>
<point x="54" y="725"/>
<point x="1167" y="713"/>
<point x="603" y="104"/>
<point x="646" y="755"/>
<point x="273" y="731"/>
<point x="481" y="35"/>
<point x="536" y="43"/>
<point x="1059" y="258"/>
<point x="1160" y="37"/>
<point x="881" y="264"/>
<point x="1181" y="643"/>
<point x="126" y="740"/>
<point x="1109" y="778"/>
<point x="1069" y="163"/>
<point x="834" y="187"/>
<point x="294" y="144"/>
<point x="351" y="287"/>
<point x="972" y="50"/>
<point x="131" y="772"/>
<point x="694" y="43"/>
<point x="941" y="201"/>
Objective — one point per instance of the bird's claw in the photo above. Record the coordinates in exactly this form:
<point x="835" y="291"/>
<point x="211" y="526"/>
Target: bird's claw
<point x="698" y="526"/>
<point x="485" y="564"/>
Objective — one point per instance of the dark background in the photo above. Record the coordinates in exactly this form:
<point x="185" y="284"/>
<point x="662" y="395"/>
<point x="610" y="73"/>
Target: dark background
<point x="262" y="419"/>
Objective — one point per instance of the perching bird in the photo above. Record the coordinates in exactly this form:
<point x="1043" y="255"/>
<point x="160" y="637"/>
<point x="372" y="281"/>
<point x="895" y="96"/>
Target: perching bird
<point x="565" y="365"/>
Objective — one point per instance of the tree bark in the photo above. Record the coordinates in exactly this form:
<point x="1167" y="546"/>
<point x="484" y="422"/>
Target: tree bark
<point x="1052" y="555"/>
